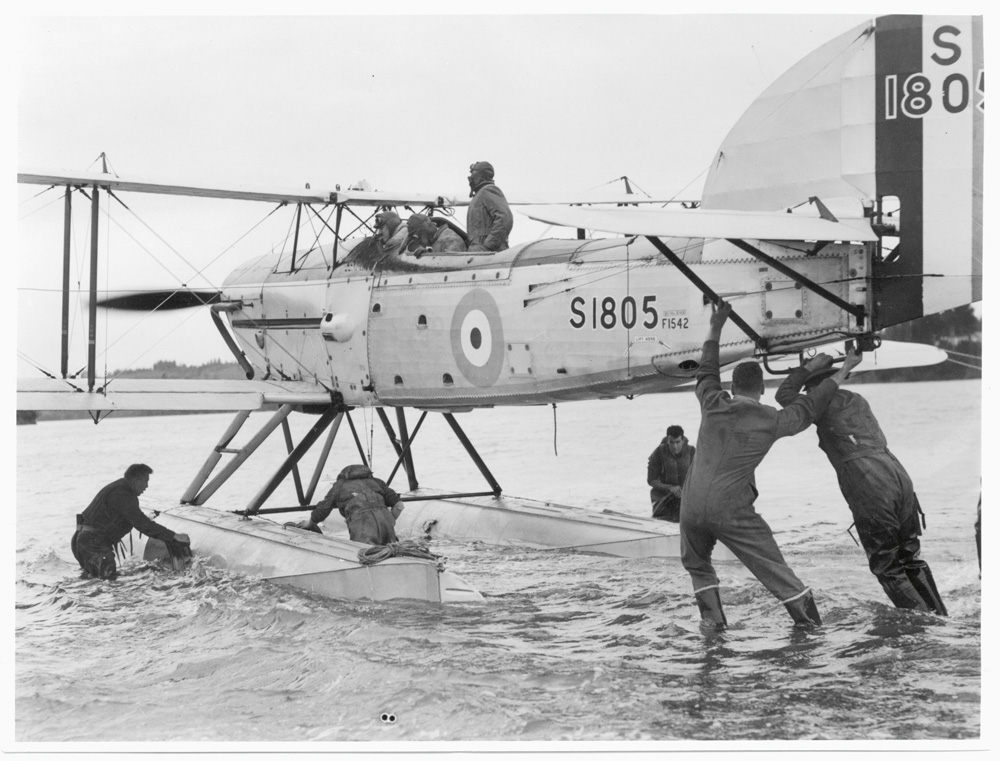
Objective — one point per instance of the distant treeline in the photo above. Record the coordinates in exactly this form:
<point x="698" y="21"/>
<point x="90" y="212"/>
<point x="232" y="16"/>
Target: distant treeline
<point x="957" y="331"/>
<point x="214" y="370"/>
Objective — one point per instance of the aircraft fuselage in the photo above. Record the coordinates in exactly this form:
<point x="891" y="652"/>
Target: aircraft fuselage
<point x="548" y="321"/>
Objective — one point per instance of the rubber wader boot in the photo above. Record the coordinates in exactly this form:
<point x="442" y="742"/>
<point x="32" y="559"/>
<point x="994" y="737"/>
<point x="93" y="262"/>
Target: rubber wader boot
<point x="803" y="611"/>
<point x="904" y="595"/>
<point x="920" y="576"/>
<point x="710" y="605"/>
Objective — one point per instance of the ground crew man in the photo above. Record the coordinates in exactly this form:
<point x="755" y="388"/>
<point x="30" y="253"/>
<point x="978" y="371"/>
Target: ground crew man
<point x="368" y="505"/>
<point x="665" y="472"/>
<point x="488" y="220"/>
<point x="110" y="516"/>
<point x="877" y="488"/>
<point x="717" y="501"/>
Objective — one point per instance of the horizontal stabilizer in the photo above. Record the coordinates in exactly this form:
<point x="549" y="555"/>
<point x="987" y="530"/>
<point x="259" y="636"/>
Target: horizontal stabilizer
<point x="153" y="394"/>
<point x="891" y="355"/>
<point x="704" y="223"/>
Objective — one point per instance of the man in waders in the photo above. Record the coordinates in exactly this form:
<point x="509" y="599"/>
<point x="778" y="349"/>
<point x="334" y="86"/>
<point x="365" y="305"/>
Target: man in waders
<point x="717" y="502"/>
<point x="110" y="516"/>
<point x="665" y="472"/>
<point x="368" y="505"/>
<point x="877" y="488"/>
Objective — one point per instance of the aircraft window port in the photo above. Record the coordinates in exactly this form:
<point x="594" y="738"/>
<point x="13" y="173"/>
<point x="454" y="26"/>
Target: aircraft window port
<point x="688" y="364"/>
<point x="376" y="308"/>
<point x="398" y="380"/>
<point x="448" y="380"/>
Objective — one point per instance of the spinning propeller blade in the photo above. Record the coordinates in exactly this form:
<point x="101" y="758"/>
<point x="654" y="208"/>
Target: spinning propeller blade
<point x="148" y="301"/>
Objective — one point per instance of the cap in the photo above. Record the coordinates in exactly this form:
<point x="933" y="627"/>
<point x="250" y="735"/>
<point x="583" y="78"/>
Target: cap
<point x="482" y="166"/>
<point x="415" y="222"/>
<point x="385" y="216"/>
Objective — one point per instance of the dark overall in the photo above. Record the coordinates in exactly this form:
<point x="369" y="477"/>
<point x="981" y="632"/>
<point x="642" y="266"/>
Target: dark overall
<point x="879" y="493"/>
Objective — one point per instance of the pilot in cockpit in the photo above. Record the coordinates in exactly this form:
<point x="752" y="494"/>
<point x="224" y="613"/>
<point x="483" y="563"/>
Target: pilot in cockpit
<point x="392" y="233"/>
<point x="431" y="236"/>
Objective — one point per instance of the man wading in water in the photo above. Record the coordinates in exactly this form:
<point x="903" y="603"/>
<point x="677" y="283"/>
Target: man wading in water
<point x="112" y="514"/>
<point x="717" y="503"/>
<point x="877" y="488"/>
<point x="369" y="506"/>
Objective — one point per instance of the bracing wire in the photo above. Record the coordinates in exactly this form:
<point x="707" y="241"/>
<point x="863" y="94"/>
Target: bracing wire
<point x="35" y="364"/>
<point x="965" y="364"/>
<point x="965" y="356"/>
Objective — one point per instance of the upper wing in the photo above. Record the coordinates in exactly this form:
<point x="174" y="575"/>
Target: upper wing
<point x="239" y="193"/>
<point x="704" y="223"/>
<point x="319" y="196"/>
<point x="169" y="395"/>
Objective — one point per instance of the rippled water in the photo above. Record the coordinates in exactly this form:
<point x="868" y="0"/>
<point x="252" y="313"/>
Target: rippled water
<point x="566" y="646"/>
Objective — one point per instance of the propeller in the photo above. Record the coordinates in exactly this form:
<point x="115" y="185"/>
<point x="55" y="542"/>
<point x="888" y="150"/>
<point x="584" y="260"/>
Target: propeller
<point x="148" y="301"/>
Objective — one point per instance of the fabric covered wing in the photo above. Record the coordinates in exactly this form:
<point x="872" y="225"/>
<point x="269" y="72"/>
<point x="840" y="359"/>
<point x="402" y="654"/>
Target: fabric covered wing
<point x="164" y="395"/>
<point x="703" y="223"/>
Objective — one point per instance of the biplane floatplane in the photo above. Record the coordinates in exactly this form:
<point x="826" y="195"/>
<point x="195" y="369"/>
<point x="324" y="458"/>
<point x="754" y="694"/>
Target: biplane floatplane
<point x="848" y="198"/>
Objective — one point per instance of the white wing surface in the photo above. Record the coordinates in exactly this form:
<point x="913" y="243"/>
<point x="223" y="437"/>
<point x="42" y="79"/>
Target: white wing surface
<point x="704" y="223"/>
<point x="164" y="394"/>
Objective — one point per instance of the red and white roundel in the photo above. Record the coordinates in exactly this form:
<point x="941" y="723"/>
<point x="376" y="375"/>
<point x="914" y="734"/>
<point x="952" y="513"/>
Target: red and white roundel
<point x="477" y="338"/>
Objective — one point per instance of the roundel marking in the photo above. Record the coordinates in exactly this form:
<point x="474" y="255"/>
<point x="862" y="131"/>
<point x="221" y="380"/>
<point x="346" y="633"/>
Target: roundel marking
<point x="477" y="338"/>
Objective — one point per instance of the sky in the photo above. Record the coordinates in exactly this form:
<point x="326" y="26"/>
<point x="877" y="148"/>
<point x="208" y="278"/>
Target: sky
<point x="557" y="101"/>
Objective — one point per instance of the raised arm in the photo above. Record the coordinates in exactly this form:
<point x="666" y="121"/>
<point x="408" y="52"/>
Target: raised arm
<point x="796" y="379"/>
<point x="708" y="384"/>
<point x="804" y="409"/>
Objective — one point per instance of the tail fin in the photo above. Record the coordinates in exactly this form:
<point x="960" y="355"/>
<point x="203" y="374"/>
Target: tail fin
<point x="890" y="113"/>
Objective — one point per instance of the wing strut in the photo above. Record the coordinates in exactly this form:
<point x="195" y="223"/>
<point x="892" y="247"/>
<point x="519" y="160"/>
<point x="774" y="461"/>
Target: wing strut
<point x="67" y="225"/>
<point x="711" y="295"/>
<point x="856" y="310"/>
<point x="92" y="328"/>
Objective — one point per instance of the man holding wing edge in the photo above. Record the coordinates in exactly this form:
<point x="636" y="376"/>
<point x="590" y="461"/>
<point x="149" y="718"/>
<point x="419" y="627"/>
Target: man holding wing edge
<point x="717" y="503"/>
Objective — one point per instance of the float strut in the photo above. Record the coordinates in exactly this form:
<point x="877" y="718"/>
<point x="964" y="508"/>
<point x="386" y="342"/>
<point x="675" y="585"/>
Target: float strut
<point x="241" y="456"/>
<point x="357" y="440"/>
<point x="411" y="473"/>
<point x="323" y="457"/>
<point x="405" y="453"/>
<point x="292" y="460"/>
<point x="473" y="453"/>
<point x="402" y="447"/>
<point x="213" y="458"/>
<point x="290" y="447"/>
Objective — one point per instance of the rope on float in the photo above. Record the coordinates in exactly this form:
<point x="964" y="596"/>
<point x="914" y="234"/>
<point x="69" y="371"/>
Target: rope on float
<point x="406" y="548"/>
